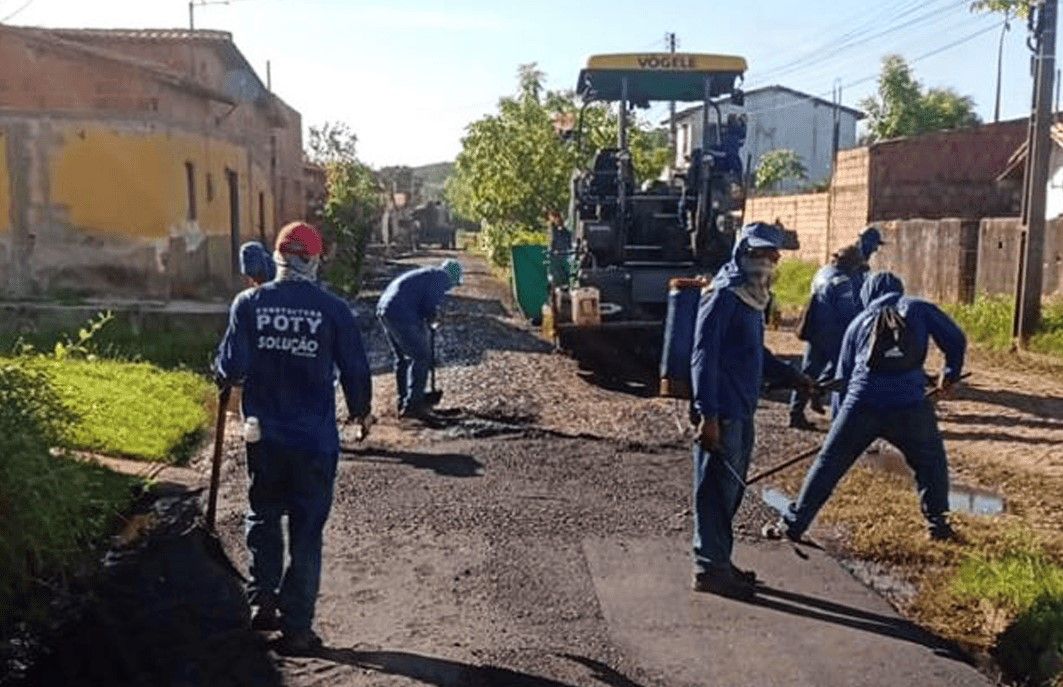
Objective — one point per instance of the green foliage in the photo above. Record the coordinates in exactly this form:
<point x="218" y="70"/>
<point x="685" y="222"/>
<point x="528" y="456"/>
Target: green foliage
<point x="354" y="205"/>
<point x="988" y="321"/>
<point x="793" y="283"/>
<point x="1028" y="588"/>
<point x="53" y="509"/>
<point x="514" y="167"/>
<point x="1012" y="7"/>
<point x="903" y="107"/>
<point x="777" y="166"/>
<point x="80" y="346"/>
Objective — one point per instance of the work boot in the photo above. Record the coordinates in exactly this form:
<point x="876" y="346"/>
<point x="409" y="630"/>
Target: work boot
<point x="939" y="529"/>
<point x="723" y="582"/>
<point x="264" y="617"/>
<point x="744" y="575"/>
<point x="299" y="643"/>
<point x="778" y="530"/>
<point x="799" y="421"/>
<point x="421" y="413"/>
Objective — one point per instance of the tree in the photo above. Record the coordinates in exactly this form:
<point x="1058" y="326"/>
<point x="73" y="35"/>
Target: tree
<point x="354" y="205"/>
<point x="777" y="166"/>
<point x="1010" y="7"/>
<point x="903" y="108"/>
<point x="514" y="167"/>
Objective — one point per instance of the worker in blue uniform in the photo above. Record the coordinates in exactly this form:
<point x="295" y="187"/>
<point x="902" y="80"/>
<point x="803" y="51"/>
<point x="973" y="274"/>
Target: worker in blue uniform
<point x="408" y="307"/>
<point x="284" y="340"/>
<point x="881" y="366"/>
<point x="834" y="302"/>
<point x="256" y="264"/>
<point x="728" y="364"/>
<point x="870" y="241"/>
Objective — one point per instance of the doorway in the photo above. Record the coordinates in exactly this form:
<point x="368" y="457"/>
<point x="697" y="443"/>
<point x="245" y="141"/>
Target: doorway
<point x="233" y="180"/>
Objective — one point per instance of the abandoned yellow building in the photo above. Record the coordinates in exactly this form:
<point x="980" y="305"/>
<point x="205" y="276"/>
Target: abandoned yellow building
<point x="134" y="163"/>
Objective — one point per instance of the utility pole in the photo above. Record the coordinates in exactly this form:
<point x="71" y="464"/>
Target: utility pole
<point x="193" y="4"/>
<point x="1000" y="62"/>
<point x="1035" y="186"/>
<point x="673" y="132"/>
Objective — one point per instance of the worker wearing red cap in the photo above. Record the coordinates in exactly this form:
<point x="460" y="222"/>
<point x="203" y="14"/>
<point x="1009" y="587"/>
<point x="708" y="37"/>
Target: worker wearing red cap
<point x="284" y="341"/>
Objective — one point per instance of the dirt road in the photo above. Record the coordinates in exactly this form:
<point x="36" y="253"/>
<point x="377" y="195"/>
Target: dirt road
<point x="541" y="539"/>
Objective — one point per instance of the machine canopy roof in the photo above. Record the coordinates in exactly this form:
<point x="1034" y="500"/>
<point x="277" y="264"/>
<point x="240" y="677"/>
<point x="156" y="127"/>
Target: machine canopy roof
<point x="658" y="76"/>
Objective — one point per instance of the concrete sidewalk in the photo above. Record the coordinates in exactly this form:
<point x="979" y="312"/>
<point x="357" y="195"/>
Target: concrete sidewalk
<point x="812" y="624"/>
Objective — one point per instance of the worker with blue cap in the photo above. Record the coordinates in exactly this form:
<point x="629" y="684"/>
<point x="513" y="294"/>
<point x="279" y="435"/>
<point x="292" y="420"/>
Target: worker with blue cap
<point x="728" y="364"/>
<point x="832" y="305"/>
<point x="408" y="307"/>
<point x="881" y="368"/>
<point x="869" y="242"/>
<point x="256" y="264"/>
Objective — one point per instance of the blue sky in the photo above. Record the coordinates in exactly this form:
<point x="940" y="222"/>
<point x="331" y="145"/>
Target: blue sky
<point x="408" y="75"/>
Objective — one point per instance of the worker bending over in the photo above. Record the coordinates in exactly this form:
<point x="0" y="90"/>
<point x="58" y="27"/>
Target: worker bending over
<point x="881" y="365"/>
<point x="407" y="308"/>
<point x="283" y="342"/>
<point x="727" y="366"/>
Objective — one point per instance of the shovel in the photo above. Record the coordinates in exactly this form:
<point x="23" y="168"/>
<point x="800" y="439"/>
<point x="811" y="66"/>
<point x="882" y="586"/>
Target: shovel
<point x="434" y="396"/>
<point x="215" y="465"/>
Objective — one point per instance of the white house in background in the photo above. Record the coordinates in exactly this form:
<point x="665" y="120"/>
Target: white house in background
<point x="778" y="117"/>
<point x="1016" y="171"/>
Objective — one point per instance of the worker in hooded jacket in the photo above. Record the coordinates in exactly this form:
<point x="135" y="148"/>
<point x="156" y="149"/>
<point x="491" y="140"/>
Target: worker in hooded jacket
<point x="408" y="307"/>
<point x="884" y="396"/>
<point x="284" y="341"/>
<point x="834" y="302"/>
<point x="728" y="364"/>
<point x="256" y="264"/>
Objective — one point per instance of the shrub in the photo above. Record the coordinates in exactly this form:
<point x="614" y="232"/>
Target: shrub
<point x="793" y="283"/>
<point x="52" y="508"/>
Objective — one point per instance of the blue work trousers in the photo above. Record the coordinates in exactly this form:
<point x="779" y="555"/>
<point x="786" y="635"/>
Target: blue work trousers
<point x="409" y="343"/>
<point x="817" y="363"/>
<point x="719" y="484"/>
<point x="299" y="484"/>
<point x="913" y="430"/>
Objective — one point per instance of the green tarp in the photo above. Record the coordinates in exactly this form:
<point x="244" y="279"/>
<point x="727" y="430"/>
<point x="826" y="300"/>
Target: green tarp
<point x="529" y="279"/>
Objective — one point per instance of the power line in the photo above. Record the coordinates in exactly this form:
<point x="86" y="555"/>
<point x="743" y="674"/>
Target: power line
<point x="860" y="40"/>
<point x="18" y="11"/>
<point x="862" y="80"/>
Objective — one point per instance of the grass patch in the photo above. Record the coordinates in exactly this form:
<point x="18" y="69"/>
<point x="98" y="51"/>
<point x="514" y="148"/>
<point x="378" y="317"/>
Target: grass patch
<point x="53" y="509"/>
<point x="130" y="409"/>
<point x="999" y="590"/>
<point x="190" y="347"/>
<point x="988" y="322"/>
<point x="793" y="284"/>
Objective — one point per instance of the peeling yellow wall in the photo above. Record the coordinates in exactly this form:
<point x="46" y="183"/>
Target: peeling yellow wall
<point x="5" y="187"/>
<point x="133" y="182"/>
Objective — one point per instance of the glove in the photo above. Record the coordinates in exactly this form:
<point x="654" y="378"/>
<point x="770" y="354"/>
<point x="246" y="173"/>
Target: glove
<point x="709" y="433"/>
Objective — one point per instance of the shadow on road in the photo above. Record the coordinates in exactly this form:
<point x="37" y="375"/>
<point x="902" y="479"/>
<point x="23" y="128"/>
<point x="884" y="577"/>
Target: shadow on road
<point x="854" y="618"/>
<point x="1041" y="405"/>
<point x="447" y="464"/>
<point x="602" y="673"/>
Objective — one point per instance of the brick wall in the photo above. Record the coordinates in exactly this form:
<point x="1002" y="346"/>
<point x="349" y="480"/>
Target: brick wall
<point x="936" y="258"/>
<point x="849" y="197"/>
<point x="945" y="174"/>
<point x="1000" y="243"/>
<point x="807" y="214"/>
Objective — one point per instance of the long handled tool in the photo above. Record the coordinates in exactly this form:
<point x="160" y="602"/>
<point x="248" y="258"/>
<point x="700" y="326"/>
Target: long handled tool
<point x="816" y="449"/>
<point x="434" y="395"/>
<point x="215" y="465"/>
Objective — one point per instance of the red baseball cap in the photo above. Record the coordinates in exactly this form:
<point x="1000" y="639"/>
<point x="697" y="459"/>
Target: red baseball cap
<point x="299" y="238"/>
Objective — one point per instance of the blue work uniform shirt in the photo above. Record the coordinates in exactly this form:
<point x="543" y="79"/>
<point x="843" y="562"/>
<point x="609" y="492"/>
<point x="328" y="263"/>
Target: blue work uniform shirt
<point x="835" y="302"/>
<point x="415" y="296"/>
<point x="924" y="320"/>
<point x="285" y="342"/>
<point x="729" y="361"/>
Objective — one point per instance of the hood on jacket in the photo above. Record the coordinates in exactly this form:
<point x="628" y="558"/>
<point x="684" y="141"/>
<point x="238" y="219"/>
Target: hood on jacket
<point x="878" y="285"/>
<point x="755" y="235"/>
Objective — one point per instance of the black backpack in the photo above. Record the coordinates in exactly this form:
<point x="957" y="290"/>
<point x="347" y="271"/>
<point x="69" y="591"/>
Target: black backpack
<point x="894" y="347"/>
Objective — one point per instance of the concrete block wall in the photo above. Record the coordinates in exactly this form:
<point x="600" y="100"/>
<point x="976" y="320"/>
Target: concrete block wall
<point x="808" y="214"/>
<point x="1000" y="245"/>
<point x="937" y="259"/>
